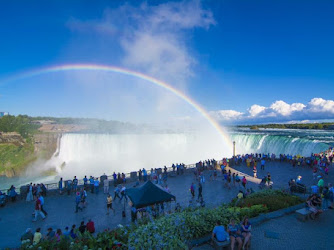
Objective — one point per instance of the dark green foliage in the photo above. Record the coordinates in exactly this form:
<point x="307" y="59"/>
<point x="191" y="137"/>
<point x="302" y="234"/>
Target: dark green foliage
<point x="21" y="124"/>
<point x="325" y="126"/>
<point x="272" y="199"/>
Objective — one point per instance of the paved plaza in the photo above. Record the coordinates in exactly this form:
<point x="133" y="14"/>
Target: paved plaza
<point x="16" y="217"/>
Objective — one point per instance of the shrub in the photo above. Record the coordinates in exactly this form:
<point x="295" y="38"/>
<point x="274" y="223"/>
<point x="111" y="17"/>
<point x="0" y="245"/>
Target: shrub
<point x="273" y="199"/>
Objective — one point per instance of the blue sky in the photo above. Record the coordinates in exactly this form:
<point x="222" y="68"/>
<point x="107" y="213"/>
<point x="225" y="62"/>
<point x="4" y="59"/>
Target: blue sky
<point x="245" y="61"/>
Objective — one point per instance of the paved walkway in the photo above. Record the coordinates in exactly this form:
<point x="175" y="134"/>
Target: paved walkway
<point x="16" y="217"/>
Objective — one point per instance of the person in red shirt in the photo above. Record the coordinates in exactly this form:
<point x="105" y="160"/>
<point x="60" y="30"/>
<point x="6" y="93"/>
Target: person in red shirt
<point x="38" y="209"/>
<point x="90" y="226"/>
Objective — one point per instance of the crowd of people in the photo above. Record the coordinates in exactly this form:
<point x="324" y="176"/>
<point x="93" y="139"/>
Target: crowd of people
<point x="56" y="235"/>
<point x="320" y="200"/>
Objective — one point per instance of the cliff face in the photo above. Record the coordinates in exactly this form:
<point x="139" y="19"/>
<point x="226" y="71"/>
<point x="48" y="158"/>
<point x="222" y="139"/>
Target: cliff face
<point x="12" y="138"/>
<point x="45" y="144"/>
<point x="16" y="153"/>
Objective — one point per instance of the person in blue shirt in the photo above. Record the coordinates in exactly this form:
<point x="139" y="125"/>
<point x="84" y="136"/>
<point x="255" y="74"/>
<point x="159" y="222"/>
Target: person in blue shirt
<point x="219" y="232"/>
<point x="235" y="234"/>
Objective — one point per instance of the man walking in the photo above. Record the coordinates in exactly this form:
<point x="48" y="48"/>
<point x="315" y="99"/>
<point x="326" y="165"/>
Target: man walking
<point x="77" y="202"/>
<point x="38" y="209"/>
<point x="117" y="191"/>
<point x="41" y="198"/>
<point x="123" y="190"/>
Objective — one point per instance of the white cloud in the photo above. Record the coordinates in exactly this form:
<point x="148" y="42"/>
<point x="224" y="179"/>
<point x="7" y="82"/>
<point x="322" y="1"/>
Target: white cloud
<point x="153" y="39"/>
<point x="227" y="115"/>
<point x="282" y="108"/>
<point x="280" y="111"/>
<point x="255" y="110"/>
<point x="321" y="105"/>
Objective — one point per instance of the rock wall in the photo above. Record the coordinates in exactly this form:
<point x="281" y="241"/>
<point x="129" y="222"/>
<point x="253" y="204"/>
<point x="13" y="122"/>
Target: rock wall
<point x="11" y="138"/>
<point x="46" y="144"/>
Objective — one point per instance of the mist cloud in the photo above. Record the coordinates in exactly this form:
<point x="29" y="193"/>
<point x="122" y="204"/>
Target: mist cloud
<point x="153" y="39"/>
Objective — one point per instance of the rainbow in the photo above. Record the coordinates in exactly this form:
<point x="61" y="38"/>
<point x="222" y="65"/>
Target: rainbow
<point x="106" y="68"/>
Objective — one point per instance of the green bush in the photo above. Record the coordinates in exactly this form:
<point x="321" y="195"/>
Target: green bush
<point x="273" y="199"/>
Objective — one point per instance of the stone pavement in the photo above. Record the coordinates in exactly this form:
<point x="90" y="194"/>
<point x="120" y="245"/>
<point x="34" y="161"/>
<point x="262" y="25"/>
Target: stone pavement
<point x="16" y="217"/>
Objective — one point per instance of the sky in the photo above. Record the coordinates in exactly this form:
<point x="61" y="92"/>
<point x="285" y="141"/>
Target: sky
<point x="243" y="61"/>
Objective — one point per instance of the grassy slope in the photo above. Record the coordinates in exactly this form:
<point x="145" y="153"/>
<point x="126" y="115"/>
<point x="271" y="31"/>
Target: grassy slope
<point x="14" y="158"/>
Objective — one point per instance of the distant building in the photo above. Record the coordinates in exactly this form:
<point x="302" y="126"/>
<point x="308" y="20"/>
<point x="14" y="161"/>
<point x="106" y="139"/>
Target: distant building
<point x="3" y="113"/>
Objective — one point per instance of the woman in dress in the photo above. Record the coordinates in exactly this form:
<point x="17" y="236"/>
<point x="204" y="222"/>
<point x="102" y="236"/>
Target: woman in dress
<point x="29" y="194"/>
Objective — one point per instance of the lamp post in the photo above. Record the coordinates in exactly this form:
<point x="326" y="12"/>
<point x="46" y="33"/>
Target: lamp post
<point x="233" y="148"/>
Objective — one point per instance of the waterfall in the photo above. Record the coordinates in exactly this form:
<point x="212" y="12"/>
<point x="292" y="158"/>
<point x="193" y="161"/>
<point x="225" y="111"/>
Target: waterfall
<point x="277" y="144"/>
<point x="95" y="154"/>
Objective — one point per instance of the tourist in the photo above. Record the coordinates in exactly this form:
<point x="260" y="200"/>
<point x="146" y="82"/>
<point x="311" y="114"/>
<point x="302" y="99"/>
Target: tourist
<point x="43" y="189"/>
<point x="244" y="182"/>
<point x="268" y="178"/>
<point x="199" y="190"/>
<point x="192" y="190"/>
<point x="106" y="185"/>
<point x="235" y="234"/>
<point x="82" y="227"/>
<point x="51" y="234"/>
<point x="27" y="235"/>
<point x="58" y="234"/>
<point x="73" y="232"/>
<point x="237" y="179"/>
<point x="114" y="175"/>
<point x="42" y="204"/>
<point x="77" y="202"/>
<point x="229" y="180"/>
<point x="90" y="226"/>
<point x="38" y="209"/>
<point x="117" y="192"/>
<point x="240" y="196"/>
<point x="60" y="186"/>
<point x="69" y="187"/>
<point x="85" y="180"/>
<point x="109" y="204"/>
<point x="321" y="184"/>
<point x="233" y="179"/>
<point x="29" y="195"/>
<point x="140" y="174"/>
<point x="96" y="185"/>
<point x="37" y="236"/>
<point x="75" y="184"/>
<point x="144" y="174"/>
<point x="219" y="233"/>
<point x="91" y="184"/>
<point x="263" y="162"/>
<point x="123" y="193"/>
<point x="12" y="193"/>
<point x="83" y="196"/>
<point x="246" y="232"/>
<point x="254" y="172"/>
<point x="67" y="233"/>
<point x="313" y="201"/>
